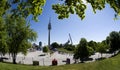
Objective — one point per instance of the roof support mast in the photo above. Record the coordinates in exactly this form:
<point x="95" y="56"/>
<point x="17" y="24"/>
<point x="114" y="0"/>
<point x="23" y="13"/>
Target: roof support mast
<point x="70" y="38"/>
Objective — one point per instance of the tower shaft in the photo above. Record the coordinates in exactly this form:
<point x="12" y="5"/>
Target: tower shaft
<point x="49" y="38"/>
<point x="49" y="28"/>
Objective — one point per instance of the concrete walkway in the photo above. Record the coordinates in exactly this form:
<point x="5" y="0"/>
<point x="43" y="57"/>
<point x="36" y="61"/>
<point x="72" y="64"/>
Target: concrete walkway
<point x="47" y="59"/>
<point x="43" y="60"/>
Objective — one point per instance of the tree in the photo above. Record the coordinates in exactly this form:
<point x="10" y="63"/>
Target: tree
<point x="64" y="9"/>
<point x="81" y="51"/>
<point x="60" y="46"/>
<point x="91" y="50"/>
<point x="45" y="49"/>
<point x="20" y="36"/>
<point x="22" y="7"/>
<point x="3" y="37"/>
<point x="92" y="44"/>
<point x="55" y="45"/>
<point x="70" y="47"/>
<point x="78" y="7"/>
<point x="102" y="47"/>
<point x="108" y="40"/>
<point x="114" y="38"/>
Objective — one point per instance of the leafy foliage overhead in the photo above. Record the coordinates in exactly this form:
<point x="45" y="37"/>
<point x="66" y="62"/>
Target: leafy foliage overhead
<point x="78" y="7"/>
<point x="22" y="7"/>
<point x="66" y="7"/>
<point x="70" y="7"/>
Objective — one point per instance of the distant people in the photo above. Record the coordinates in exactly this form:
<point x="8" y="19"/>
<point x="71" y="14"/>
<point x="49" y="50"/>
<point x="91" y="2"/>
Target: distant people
<point x="54" y="62"/>
<point x="68" y="61"/>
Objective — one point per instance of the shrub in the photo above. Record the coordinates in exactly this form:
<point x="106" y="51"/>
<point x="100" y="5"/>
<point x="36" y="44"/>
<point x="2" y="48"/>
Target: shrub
<point x="45" y="49"/>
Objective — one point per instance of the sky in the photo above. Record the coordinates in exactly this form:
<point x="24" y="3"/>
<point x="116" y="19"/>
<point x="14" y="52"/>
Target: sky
<point x="94" y="27"/>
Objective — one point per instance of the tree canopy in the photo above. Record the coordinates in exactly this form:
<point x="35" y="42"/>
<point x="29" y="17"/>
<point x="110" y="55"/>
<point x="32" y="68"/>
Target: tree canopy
<point x="92" y="44"/>
<point x="3" y="37"/>
<point x="55" y="45"/>
<point x="22" y="7"/>
<point x="26" y="7"/>
<point x="81" y="51"/>
<point x="19" y="36"/>
<point x="78" y="7"/>
<point x="102" y="47"/>
<point x="114" y="41"/>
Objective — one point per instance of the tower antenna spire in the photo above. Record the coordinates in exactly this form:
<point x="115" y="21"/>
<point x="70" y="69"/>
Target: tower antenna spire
<point x="49" y="28"/>
<point x="49" y="24"/>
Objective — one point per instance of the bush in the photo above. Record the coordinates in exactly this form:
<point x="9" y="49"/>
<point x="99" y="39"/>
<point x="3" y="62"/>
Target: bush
<point x="55" y="45"/>
<point x="45" y="49"/>
<point x="70" y="47"/>
<point x="35" y="63"/>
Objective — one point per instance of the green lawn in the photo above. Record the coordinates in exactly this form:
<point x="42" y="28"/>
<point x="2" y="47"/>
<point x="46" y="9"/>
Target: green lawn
<point x="64" y="50"/>
<point x="107" y="64"/>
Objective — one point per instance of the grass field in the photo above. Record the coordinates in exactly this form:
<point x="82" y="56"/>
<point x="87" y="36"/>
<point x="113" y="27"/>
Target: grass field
<point x="64" y="50"/>
<point x="107" y="64"/>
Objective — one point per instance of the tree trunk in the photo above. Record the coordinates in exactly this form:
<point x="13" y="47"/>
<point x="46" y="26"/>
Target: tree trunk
<point x="14" y="58"/>
<point x="1" y="54"/>
<point x="81" y="59"/>
<point x="101" y="55"/>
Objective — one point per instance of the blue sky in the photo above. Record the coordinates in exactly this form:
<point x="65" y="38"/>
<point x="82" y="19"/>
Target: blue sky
<point x="94" y="27"/>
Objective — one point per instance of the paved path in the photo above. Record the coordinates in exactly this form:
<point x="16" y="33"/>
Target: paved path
<point x="47" y="59"/>
<point x="43" y="60"/>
